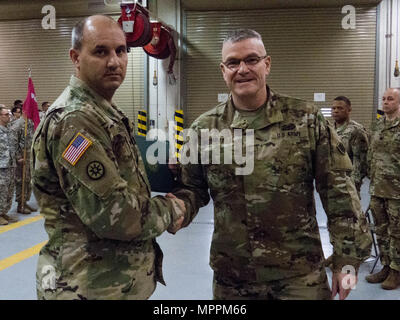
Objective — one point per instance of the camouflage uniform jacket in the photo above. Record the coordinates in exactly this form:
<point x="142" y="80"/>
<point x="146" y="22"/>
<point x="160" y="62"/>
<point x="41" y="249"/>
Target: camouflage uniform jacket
<point x="18" y="126"/>
<point x="384" y="158"/>
<point x="7" y="148"/>
<point x="355" y="139"/>
<point x="99" y="216"/>
<point x="265" y="225"/>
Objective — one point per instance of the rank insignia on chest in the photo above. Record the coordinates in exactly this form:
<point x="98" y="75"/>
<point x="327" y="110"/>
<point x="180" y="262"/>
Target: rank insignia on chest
<point x="76" y="148"/>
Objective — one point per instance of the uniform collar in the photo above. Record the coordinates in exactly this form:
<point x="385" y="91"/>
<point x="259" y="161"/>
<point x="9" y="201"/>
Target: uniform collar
<point x="343" y="126"/>
<point x="82" y="88"/>
<point x="391" y="123"/>
<point x="266" y="115"/>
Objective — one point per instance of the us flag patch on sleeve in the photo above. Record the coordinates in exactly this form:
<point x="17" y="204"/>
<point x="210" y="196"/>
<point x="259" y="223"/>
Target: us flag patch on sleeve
<point x="76" y="148"/>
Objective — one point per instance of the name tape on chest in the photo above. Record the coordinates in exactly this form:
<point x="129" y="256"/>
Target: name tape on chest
<point x="76" y="148"/>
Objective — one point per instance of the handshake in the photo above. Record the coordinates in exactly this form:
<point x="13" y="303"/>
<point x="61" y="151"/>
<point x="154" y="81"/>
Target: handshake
<point x="178" y="215"/>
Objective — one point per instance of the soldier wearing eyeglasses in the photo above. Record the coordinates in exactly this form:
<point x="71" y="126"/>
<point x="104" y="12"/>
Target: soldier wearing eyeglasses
<point x="7" y="166"/>
<point x="266" y="242"/>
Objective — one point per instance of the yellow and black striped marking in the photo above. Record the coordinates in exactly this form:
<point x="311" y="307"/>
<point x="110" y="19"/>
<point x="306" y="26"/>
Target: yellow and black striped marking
<point x="142" y="123"/>
<point x="178" y="134"/>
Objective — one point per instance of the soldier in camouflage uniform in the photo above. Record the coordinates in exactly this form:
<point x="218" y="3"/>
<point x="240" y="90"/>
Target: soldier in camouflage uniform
<point x="16" y="113"/>
<point x="45" y="107"/>
<point x="384" y="172"/>
<point x="90" y="183"/>
<point x="18" y="126"/>
<point x="354" y="137"/>
<point x="266" y="242"/>
<point x="7" y="166"/>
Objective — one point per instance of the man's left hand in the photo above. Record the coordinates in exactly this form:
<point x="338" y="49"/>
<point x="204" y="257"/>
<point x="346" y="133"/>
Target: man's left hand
<point x="338" y="280"/>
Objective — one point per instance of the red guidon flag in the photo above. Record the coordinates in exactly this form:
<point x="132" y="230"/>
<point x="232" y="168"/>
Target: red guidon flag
<point x="30" y="107"/>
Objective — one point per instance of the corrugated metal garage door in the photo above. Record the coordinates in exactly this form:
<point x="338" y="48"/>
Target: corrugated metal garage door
<point x="310" y="51"/>
<point x="25" y="44"/>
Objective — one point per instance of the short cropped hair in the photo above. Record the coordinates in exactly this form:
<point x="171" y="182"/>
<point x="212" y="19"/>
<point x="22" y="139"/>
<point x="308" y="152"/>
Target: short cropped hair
<point x="241" y="34"/>
<point x="17" y="102"/>
<point x="345" y="99"/>
<point x="43" y="103"/>
<point x="77" y="32"/>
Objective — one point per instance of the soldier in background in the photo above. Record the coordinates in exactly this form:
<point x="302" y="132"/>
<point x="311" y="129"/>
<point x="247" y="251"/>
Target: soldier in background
<point x="266" y="242"/>
<point x="90" y="183"/>
<point x="23" y="143"/>
<point x="354" y="137"/>
<point x="18" y="103"/>
<point x="45" y="106"/>
<point x="16" y="113"/>
<point x="7" y="166"/>
<point x="384" y="172"/>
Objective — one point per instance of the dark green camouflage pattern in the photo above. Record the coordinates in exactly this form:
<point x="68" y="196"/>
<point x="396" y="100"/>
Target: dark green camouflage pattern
<point x="101" y="231"/>
<point x="265" y="226"/>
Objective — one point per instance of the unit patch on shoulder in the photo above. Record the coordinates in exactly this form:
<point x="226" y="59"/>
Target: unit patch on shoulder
<point x="76" y="148"/>
<point x="95" y="170"/>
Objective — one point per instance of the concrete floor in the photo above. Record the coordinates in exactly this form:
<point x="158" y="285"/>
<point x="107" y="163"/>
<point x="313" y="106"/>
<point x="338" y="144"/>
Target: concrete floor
<point x="186" y="257"/>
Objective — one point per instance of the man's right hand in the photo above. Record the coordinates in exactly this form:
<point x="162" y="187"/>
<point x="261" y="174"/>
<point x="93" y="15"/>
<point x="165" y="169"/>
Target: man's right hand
<point x="179" y="208"/>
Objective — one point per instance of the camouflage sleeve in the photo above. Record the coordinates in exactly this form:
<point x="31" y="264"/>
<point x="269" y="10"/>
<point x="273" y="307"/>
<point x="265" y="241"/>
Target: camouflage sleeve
<point x="4" y="159"/>
<point x="369" y="153"/>
<point x="359" y="145"/>
<point x="347" y="224"/>
<point x="193" y="187"/>
<point x="108" y="206"/>
<point x="19" y="136"/>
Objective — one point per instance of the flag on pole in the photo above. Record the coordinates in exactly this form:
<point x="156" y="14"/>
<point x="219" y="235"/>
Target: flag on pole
<point x="30" y="107"/>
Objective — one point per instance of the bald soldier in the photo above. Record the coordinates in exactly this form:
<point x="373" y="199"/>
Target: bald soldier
<point x="266" y="242"/>
<point x="90" y="182"/>
<point x="354" y="137"/>
<point x="384" y="172"/>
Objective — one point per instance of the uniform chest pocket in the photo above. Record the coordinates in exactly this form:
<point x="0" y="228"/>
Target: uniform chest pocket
<point x="284" y="161"/>
<point x="221" y="177"/>
<point x="124" y="151"/>
<point x="394" y="145"/>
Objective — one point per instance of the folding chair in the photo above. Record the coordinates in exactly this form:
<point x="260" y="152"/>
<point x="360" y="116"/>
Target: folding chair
<point x="372" y="230"/>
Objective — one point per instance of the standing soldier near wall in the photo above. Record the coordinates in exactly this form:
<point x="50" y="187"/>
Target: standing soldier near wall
<point x="18" y="126"/>
<point x="7" y="166"/>
<point x="384" y="172"/>
<point x="354" y="137"/>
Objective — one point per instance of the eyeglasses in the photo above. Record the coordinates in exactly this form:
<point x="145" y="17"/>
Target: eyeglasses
<point x="234" y="64"/>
